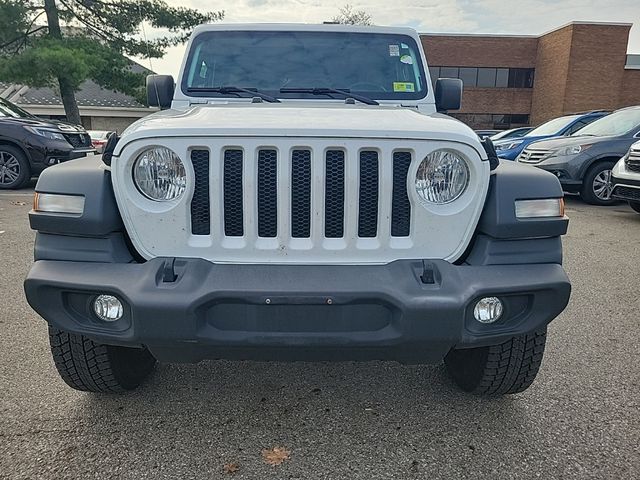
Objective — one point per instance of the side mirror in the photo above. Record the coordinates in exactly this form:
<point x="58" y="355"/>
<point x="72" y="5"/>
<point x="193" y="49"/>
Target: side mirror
<point x="160" y="91"/>
<point x="448" y="94"/>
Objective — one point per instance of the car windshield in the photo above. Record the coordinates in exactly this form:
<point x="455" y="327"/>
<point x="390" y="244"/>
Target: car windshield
<point x="378" y="66"/>
<point x="552" y="127"/>
<point x="8" y="109"/>
<point x="617" y="123"/>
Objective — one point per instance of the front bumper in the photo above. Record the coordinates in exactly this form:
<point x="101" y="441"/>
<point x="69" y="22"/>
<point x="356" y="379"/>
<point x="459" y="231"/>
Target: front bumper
<point x="566" y="169"/>
<point x="284" y="312"/>
<point x="626" y="186"/>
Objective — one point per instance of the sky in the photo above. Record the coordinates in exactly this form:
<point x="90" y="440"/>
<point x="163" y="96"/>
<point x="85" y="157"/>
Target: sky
<point x="522" y="17"/>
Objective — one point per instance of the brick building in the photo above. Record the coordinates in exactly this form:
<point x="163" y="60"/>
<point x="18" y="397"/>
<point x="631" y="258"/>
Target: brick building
<point x="515" y="80"/>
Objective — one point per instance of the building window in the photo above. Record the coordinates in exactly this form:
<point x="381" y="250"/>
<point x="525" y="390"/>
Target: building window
<point x="486" y="77"/>
<point x="521" y="77"/>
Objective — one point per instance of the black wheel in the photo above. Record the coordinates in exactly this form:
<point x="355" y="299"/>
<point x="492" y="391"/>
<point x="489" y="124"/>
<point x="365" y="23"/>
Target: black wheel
<point x="93" y="367"/>
<point x="635" y="206"/>
<point x="509" y="367"/>
<point x="14" y="168"/>
<point x="597" y="186"/>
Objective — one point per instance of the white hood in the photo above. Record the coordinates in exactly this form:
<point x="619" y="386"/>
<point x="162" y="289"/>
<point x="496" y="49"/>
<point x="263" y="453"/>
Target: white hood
<point x="287" y="120"/>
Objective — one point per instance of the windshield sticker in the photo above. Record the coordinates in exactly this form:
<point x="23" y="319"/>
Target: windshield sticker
<point x="404" y="87"/>
<point x="404" y="45"/>
<point x="408" y="59"/>
<point x="394" y="50"/>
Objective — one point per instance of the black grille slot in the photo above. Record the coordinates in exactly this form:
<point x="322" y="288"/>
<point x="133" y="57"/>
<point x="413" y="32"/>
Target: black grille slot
<point x="232" y="191"/>
<point x="267" y="193"/>
<point x="300" y="193"/>
<point x="627" y="193"/>
<point x="400" y="206"/>
<point x="334" y="195"/>
<point x="368" y="196"/>
<point x="200" y="219"/>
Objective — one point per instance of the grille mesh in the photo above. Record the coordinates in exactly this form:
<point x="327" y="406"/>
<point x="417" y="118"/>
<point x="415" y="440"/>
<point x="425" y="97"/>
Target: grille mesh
<point x="300" y="193"/>
<point x="200" y="220"/>
<point x="267" y="193"/>
<point x="400" y="206"/>
<point x="334" y="194"/>
<point x="78" y="140"/>
<point x="368" y="196"/>
<point x="232" y="191"/>
<point x="627" y="193"/>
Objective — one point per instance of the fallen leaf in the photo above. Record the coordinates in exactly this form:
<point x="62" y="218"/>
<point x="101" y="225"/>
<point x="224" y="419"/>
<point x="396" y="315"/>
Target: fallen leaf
<point x="276" y="455"/>
<point x="18" y="203"/>
<point x="231" y="468"/>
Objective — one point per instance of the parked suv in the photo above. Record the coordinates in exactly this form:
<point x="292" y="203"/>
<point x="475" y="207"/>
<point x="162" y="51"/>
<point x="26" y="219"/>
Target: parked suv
<point x="29" y="144"/>
<point x="583" y="161"/>
<point x="298" y="198"/>
<point x="558" y="127"/>
<point x="625" y="178"/>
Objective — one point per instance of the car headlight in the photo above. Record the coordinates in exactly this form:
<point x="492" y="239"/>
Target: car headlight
<point x="572" y="150"/>
<point x="441" y="177"/>
<point x="159" y="174"/>
<point x="507" y="146"/>
<point x="50" y="134"/>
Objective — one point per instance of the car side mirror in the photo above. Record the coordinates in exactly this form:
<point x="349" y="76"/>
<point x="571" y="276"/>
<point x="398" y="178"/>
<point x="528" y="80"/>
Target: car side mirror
<point x="448" y="94"/>
<point x="160" y="90"/>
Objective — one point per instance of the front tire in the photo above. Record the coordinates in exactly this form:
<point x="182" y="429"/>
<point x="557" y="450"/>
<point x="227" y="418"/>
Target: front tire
<point x="635" y="206"/>
<point x="94" y="367"/>
<point x="597" y="186"/>
<point x="14" y="168"/>
<point x="510" y="367"/>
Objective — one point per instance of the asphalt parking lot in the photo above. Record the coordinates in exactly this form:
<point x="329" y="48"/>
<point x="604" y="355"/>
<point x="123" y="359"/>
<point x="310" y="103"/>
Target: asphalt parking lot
<point x="580" y="419"/>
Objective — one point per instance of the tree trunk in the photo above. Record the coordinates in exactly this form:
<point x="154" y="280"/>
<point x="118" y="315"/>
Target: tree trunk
<point x="66" y="89"/>
<point x="69" y="101"/>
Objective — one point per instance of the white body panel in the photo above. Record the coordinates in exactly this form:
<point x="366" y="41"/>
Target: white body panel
<point x="163" y="229"/>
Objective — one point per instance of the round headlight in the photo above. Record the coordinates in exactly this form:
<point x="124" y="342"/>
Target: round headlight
<point x="159" y="174"/>
<point x="442" y="177"/>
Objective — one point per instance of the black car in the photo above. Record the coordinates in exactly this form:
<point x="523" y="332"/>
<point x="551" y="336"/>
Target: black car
<point x="29" y="144"/>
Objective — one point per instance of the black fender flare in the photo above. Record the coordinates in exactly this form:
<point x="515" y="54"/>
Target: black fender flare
<point x="90" y="178"/>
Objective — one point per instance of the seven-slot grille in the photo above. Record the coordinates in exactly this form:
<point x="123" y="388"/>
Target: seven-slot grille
<point x="300" y="190"/>
<point x="530" y="155"/>
<point x="632" y="161"/>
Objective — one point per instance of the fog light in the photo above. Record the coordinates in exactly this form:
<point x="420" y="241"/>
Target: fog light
<point x="108" y="308"/>
<point x="488" y="310"/>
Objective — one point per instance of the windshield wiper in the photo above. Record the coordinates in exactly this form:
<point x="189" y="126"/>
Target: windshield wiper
<point x="328" y="91"/>
<point x="232" y="89"/>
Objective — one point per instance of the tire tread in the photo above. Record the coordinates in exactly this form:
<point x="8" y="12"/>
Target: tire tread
<point x="86" y="365"/>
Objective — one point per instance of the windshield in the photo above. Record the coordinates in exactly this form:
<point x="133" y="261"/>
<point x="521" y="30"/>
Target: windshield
<point x="617" y="123"/>
<point x="8" y="109"/>
<point x="378" y="66"/>
<point x="552" y="127"/>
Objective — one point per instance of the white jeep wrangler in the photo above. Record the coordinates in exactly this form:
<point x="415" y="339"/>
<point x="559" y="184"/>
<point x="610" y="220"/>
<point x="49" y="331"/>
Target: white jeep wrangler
<point x="298" y="198"/>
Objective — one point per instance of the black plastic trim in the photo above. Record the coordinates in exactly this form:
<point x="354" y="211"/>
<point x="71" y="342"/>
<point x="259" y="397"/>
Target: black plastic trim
<point x="88" y="177"/>
<point x="184" y="320"/>
<point x="512" y="181"/>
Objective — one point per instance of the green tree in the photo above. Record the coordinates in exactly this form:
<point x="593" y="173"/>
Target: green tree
<point x="62" y="43"/>
<point x="349" y="16"/>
